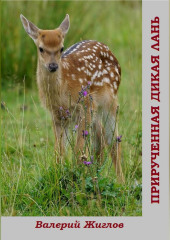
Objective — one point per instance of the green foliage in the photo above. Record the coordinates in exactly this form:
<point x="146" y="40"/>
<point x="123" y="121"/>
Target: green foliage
<point x="33" y="183"/>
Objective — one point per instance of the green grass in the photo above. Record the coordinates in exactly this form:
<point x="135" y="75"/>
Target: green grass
<point x="33" y="183"/>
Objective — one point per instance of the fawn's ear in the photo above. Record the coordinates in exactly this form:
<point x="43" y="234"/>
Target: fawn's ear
<point x="29" y="27"/>
<point x="64" y="26"/>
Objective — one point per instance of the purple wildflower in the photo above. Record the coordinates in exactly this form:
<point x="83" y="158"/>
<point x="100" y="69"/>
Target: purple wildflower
<point x="61" y="108"/>
<point x="68" y="114"/>
<point x="87" y="163"/>
<point x="84" y="93"/>
<point x="76" y="127"/>
<point x="119" y="138"/>
<point x="85" y="133"/>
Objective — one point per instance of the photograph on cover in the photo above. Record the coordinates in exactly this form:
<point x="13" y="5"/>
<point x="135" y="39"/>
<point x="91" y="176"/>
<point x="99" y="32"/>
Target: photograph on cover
<point x="71" y="108"/>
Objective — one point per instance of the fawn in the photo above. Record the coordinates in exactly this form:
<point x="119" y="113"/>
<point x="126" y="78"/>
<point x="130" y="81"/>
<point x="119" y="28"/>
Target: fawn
<point x="62" y="75"/>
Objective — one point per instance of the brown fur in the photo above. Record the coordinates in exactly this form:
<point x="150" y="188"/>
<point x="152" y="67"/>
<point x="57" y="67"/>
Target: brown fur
<point x="50" y="38"/>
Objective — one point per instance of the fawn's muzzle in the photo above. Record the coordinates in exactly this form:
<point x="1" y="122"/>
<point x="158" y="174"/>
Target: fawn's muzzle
<point x="53" y="67"/>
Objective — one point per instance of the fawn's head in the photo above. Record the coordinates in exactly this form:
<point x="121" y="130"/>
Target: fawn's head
<point x="50" y="43"/>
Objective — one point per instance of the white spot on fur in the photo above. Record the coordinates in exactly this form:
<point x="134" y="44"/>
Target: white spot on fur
<point x="88" y="72"/>
<point x="115" y="85"/>
<point x="73" y="77"/>
<point x="86" y="63"/>
<point x="106" y="80"/>
<point x="98" y="84"/>
<point x="88" y="57"/>
<point x="94" y="75"/>
<point x="90" y="68"/>
<point x="117" y="78"/>
<point x="111" y="74"/>
<point x="66" y="65"/>
<point x="104" y="54"/>
<point x="99" y="74"/>
<point x="116" y="69"/>
<point x="104" y="71"/>
<point x="111" y="58"/>
<point x="80" y="80"/>
<point x="82" y="68"/>
<point x="106" y="47"/>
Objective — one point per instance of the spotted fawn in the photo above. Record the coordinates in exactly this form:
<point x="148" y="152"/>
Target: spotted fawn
<point x="61" y="76"/>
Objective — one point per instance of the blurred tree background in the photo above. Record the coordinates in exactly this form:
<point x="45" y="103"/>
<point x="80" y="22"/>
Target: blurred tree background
<point x="108" y="22"/>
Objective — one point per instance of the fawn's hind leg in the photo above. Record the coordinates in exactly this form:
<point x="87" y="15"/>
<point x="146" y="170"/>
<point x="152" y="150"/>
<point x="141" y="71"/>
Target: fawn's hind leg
<point x="99" y="140"/>
<point x="112" y="138"/>
<point x="116" y="156"/>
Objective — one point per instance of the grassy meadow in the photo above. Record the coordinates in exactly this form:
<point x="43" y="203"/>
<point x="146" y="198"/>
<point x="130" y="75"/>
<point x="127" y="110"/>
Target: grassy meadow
<point x="33" y="183"/>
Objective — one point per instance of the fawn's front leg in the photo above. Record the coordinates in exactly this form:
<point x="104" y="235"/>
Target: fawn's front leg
<point x="59" y="139"/>
<point x="83" y="132"/>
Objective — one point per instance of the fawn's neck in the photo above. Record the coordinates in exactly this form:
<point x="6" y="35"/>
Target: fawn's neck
<point x="50" y="86"/>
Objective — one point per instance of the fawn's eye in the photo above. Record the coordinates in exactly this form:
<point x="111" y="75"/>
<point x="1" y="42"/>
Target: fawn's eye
<point x="61" y="50"/>
<point x="41" y="49"/>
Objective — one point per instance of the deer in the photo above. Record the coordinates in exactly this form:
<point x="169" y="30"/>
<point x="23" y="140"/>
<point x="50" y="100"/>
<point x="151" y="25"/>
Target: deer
<point x="61" y="76"/>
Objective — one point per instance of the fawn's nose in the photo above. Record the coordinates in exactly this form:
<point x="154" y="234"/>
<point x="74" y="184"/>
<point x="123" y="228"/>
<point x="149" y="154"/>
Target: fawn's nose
<point x="53" y="67"/>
